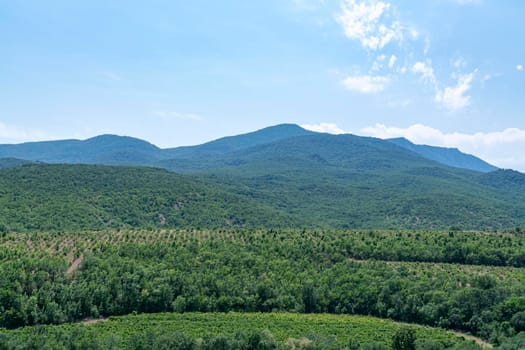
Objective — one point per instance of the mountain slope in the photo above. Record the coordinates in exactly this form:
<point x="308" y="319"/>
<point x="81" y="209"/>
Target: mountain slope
<point x="448" y="156"/>
<point x="509" y="181"/>
<point x="104" y="149"/>
<point x="72" y="197"/>
<point x="352" y="181"/>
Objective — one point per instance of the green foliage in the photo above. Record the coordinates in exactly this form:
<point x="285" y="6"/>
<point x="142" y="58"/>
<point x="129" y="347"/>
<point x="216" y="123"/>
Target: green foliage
<point x="518" y="321"/>
<point x="404" y="339"/>
<point x="319" y="271"/>
<point x="73" y="197"/>
<point x="199" y="331"/>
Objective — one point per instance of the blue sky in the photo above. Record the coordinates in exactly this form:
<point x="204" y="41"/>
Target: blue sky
<point x="442" y="72"/>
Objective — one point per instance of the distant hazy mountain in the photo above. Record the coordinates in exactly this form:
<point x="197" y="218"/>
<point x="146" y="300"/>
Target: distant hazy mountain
<point x="313" y="149"/>
<point x="122" y="150"/>
<point x="448" y="156"/>
<point x="104" y="149"/>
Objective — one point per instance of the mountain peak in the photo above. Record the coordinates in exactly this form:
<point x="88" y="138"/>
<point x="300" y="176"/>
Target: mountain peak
<point x="114" y="140"/>
<point x="233" y="143"/>
<point x="290" y="127"/>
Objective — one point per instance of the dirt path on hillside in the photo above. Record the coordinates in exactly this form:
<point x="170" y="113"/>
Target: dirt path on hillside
<point x="477" y="340"/>
<point x="90" y="321"/>
<point x="75" y="264"/>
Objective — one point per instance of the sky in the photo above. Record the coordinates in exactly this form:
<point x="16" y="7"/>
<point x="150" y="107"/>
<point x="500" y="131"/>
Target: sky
<point x="176" y="72"/>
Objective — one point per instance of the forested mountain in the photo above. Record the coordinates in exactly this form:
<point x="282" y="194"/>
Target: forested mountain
<point x="275" y="177"/>
<point x="351" y="181"/>
<point x="505" y="180"/>
<point x="123" y="150"/>
<point x="448" y="156"/>
<point x="104" y="149"/>
<point x="72" y="197"/>
<point x="300" y="194"/>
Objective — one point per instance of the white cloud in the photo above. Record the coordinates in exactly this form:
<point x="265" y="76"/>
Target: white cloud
<point x="377" y="66"/>
<point x="364" y="21"/>
<point x="392" y="61"/>
<point x="15" y="134"/>
<point x="458" y="63"/>
<point x="365" y="83"/>
<point x="519" y="67"/>
<point x="501" y="148"/>
<point x="176" y="115"/>
<point x="329" y="128"/>
<point x="426" y="71"/>
<point x="454" y="98"/>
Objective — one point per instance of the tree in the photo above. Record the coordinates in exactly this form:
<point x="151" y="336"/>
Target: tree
<point x="404" y="339"/>
<point x="518" y="321"/>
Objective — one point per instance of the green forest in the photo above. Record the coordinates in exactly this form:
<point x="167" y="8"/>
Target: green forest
<point x="37" y="197"/>
<point x="466" y="281"/>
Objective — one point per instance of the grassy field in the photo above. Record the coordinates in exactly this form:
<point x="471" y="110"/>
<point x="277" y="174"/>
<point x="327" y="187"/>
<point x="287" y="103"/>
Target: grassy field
<point x="330" y="329"/>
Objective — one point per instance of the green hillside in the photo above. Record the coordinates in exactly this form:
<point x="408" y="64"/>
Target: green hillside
<point x="351" y="181"/>
<point x="232" y="331"/>
<point x="273" y="192"/>
<point x="72" y="197"/>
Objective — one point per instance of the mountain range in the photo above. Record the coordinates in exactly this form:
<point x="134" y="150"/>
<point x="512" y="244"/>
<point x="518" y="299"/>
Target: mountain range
<point x="124" y="150"/>
<point x="278" y="176"/>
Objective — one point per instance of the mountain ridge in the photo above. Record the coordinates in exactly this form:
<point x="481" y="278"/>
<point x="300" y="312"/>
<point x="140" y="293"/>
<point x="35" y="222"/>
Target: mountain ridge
<point x="112" y="149"/>
<point x="449" y="156"/>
